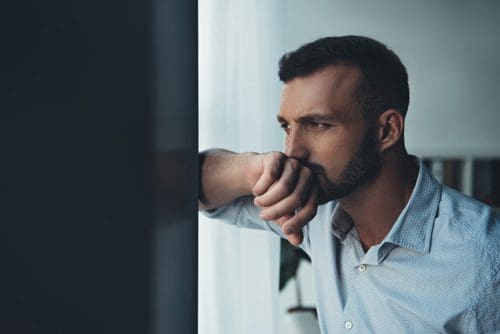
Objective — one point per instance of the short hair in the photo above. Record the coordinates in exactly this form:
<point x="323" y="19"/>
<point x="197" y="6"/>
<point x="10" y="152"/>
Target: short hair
<point x="384" y="82"/>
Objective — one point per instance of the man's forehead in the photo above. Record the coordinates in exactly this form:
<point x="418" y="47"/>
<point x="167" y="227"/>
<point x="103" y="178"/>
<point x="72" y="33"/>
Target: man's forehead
<point x="328" y="90"/>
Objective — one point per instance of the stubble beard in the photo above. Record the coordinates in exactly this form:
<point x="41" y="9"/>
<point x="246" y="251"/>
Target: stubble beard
<point x="362" y="168"/>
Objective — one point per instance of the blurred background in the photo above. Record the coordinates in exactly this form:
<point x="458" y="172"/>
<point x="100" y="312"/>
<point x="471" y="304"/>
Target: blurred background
<point x="452" y="53"/>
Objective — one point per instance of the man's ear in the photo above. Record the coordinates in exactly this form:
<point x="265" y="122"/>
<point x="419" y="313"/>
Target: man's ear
<point x="391" y="125"/>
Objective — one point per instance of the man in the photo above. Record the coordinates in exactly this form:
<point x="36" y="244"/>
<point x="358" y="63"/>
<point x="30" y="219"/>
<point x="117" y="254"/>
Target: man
<point x="392" y="250"/>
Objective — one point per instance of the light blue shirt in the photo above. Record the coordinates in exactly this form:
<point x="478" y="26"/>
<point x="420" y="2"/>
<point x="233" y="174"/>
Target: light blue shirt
<point x="437" y="270"/>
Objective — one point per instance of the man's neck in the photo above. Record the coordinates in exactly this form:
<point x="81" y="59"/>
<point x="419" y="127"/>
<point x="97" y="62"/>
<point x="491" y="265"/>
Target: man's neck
<point x="374" y="207"/>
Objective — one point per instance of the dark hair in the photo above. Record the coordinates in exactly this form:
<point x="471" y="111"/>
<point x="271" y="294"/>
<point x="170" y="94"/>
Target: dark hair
<point x="384" y="82"/>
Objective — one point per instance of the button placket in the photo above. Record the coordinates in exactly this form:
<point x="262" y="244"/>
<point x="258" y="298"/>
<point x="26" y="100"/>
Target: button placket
<point x="350" y="313"/>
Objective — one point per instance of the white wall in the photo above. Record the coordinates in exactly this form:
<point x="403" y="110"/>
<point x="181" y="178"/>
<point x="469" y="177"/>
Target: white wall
<point x="452" y="52"/>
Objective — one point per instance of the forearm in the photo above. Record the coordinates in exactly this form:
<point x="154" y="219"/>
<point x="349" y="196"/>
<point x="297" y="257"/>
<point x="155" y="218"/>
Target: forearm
<point x="286" y="191"/>
<point x="224" y="176"/>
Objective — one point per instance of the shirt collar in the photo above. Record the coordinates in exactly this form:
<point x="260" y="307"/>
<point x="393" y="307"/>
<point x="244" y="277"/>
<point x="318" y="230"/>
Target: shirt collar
<point x="341" y="222"/>
<point x="413" y="227"/>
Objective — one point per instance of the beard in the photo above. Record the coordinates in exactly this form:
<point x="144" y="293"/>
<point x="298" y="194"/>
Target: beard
<point x="363" y="167"/>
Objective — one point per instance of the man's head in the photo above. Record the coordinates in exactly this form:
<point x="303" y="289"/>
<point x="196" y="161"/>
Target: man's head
<point x="343" y="105"/>
<point x="383" y="84"/>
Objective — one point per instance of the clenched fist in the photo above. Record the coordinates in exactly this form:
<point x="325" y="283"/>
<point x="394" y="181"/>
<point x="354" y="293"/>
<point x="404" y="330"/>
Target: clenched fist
<point x="284" y="190"/>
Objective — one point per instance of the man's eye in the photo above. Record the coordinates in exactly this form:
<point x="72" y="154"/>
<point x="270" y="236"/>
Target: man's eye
<point x="285" y="126"/>
<point x="318" y="126"/>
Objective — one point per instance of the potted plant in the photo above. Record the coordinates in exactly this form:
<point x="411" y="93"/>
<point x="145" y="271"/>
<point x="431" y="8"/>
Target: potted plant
<point x="299" y="319"/>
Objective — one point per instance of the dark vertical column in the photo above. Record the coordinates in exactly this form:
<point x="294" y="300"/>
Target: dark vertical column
<point x="176" y="227"/>
<point x="79" y="232"/>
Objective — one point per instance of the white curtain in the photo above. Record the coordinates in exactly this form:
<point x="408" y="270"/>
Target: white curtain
<point x="240" y="43"/>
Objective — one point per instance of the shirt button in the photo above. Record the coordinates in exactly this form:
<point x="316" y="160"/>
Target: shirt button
<point x="348" y="324"/>
<point x="362" y="268"/>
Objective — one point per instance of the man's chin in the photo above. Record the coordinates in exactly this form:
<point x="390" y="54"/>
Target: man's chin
<point x="325" y="193"/>
<point x="333" y="192"/>
<point x="328" y="196"/>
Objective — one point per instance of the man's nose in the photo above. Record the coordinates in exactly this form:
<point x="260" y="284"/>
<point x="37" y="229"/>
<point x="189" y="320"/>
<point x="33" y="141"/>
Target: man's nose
<point x="296" y="146"/>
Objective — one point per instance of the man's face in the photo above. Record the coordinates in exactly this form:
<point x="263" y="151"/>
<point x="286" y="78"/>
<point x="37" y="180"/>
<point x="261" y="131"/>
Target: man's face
<point x="326" y="130"/>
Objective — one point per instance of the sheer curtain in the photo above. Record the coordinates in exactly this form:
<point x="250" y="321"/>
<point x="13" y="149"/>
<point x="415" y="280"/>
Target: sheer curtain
<point x="240" y="43"/>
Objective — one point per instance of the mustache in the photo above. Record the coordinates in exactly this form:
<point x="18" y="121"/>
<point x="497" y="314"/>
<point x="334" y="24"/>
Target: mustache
<point x="315" y="167"/>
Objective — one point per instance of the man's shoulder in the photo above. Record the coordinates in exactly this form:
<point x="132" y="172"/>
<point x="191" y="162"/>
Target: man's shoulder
<point x="464" y="255"/>
<point x="469" y="223"/>
<point x="471" y="214"/>
<point x="456" y="202"/>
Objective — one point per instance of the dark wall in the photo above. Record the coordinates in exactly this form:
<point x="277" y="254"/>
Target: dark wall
<point x="79" y="216"/>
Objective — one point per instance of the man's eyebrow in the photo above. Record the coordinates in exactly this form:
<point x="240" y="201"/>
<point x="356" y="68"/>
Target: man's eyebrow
<point x="280" y="119"/>
<point x="315" y="116"/>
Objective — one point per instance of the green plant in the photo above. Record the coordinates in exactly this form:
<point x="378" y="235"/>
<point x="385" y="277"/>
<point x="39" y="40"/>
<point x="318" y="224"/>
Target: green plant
<point x="289" y="262"/>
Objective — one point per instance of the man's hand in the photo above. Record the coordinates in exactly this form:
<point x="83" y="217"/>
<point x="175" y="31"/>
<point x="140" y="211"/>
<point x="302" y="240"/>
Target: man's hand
<point x="285" y="191"/>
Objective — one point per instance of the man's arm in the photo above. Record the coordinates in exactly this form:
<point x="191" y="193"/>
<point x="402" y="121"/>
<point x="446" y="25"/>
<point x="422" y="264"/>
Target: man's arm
<point x="224" y="176"/>
<point x="284" y="190"/>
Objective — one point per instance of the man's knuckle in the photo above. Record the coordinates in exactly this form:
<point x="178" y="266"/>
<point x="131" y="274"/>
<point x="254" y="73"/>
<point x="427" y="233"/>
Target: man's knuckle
<point x="272" y="174"/>
<point x="276" y="157"/>
<point x="282" y="189"/>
